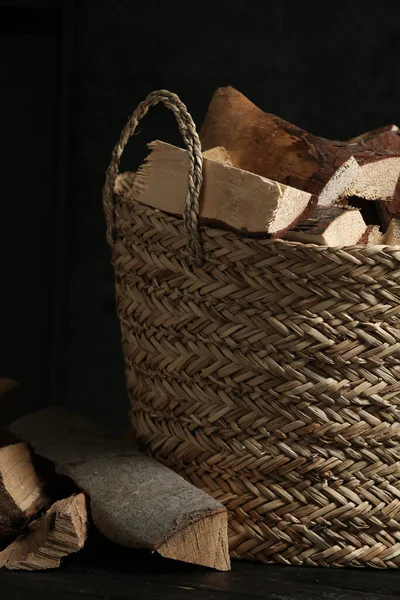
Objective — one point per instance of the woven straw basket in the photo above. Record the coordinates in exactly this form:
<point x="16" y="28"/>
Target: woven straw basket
<point x="265" y="372"/>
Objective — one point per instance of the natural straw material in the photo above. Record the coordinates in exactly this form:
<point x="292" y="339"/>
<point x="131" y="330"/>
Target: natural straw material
<point x="269" y="376"/>
<point x="195" y="178"/>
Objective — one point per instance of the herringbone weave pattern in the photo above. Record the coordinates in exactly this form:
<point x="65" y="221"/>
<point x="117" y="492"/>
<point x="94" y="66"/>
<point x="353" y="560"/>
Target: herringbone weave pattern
<point x="269" y="377"/>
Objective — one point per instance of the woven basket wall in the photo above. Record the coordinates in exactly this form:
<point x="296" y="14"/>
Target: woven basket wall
<point x="269" y="376"/>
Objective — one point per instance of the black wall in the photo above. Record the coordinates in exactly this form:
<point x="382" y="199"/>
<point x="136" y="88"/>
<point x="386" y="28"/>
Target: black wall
<point x="29" y="73"/>
<point x="329" y="67"/>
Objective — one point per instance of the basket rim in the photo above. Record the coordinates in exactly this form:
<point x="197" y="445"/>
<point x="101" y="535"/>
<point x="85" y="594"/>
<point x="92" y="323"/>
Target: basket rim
<point x="383" y="249"/>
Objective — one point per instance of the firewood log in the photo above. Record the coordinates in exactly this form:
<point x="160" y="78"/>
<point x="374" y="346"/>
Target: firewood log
<point x="383" y="138"/>
<point x="393" y="233"/>
<point x="271" y="147"/>
<point x="231" y="197"/>
<point x="220" y="154"/>
<point x="22" y="489"/>
<point x="374" y="236"/>
<point x="135" y="501"/>
<point x="329" y="226"/>
<point x="385" y="215"/>
<point x="60" y="532"/>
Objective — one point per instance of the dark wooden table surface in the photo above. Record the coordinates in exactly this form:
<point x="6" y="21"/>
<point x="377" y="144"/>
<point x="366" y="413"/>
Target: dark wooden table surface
<point x="103" y="571"/>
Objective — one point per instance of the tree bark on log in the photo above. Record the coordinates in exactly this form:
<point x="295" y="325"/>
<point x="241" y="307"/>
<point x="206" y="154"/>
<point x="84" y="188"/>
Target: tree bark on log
<point x="271" y="147"/>
<point x="134" y="501"/>
<point x="383" y="138"/>
<point x="60" y="532"/>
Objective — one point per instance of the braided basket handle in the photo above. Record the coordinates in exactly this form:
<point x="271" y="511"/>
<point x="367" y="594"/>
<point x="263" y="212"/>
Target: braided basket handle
<point x="195" y="179"/>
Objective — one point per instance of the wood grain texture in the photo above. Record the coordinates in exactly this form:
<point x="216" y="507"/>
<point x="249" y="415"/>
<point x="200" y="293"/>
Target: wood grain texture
<point x="230" y="196"/>
<point x="220" y="154"/>
<point x="329" y="226"/>
<point x="393" y="233"/>
<point x="134" y="501"/>
<point x="22" y="490"/>
<point x="383" y="139"/>
<point x="270" y="146"/>
<point x="61" y="531"/>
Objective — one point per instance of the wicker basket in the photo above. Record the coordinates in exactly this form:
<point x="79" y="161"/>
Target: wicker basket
<point x="266" y="372"/>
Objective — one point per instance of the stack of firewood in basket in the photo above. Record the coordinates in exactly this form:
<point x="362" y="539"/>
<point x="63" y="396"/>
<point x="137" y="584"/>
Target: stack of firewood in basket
<point x="265" y="176"/>
<point x="261" y="176"/>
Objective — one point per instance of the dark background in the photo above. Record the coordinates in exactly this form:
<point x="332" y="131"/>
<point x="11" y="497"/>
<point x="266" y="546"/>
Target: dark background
<point x="71" y="72"/>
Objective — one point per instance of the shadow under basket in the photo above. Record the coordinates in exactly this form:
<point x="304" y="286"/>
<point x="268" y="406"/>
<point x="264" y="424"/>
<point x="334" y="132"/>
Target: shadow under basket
<point x="265" y="372"/>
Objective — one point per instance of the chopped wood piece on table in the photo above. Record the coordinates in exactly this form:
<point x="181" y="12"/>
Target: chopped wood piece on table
<point x="271" y="147"/>
<point x="232" y="197"/>
<point x="134" y="501"/>
<point x="219" y="154"/>
<point x="329" y="226"/>
<point x="393" y="233"/>
<point x="22" y="490"/>
<point x="61" y="531"/>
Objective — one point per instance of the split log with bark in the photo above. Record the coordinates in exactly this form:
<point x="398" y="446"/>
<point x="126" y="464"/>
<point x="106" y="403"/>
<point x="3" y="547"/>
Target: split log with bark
<point x="135" y="501"/>
<point x="384" y="139"/>
<point x="271" y="147"/>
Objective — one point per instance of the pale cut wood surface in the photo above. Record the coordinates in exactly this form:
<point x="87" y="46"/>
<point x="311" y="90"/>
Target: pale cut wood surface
<point x="384" y="139"/>
<point x="200" y="537"/>
<point x="233" y="197"/>
<point x="374" y="236"/>
<point x="330" y="226"/>
<point x="61" y="531"/>
<point x="22" y="491"/>
<point x="134" y="501"/>
<point x="393" y="233"/>
<point x="220" y="154"/>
